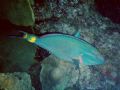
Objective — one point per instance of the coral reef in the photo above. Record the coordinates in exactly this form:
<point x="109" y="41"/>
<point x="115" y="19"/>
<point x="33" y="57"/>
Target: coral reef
<point x="67" y="16"/>
<point x="94" y="28"/>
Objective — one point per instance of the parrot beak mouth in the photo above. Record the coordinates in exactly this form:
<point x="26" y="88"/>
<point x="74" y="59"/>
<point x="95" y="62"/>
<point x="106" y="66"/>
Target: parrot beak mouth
<point x="20" y="34"/>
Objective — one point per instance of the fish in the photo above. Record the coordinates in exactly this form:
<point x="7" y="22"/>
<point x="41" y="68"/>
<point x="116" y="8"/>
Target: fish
<point x="68" y="48"/>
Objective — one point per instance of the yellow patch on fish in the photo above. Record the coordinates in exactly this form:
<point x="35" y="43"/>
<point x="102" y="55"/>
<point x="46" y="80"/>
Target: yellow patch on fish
<point x="32" y="39"/>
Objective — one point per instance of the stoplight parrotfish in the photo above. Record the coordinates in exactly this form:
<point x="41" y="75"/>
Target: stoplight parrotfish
<point x="68" y="48"/>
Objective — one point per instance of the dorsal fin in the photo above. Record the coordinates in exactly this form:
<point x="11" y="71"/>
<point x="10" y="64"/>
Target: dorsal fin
<point x="77" y="34"/>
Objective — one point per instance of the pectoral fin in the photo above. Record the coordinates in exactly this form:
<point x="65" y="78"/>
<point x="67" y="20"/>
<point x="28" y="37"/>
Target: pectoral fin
<point x="77" y="34"/>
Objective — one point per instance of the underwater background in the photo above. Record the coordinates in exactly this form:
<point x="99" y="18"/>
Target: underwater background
<point x="25" y="66"/>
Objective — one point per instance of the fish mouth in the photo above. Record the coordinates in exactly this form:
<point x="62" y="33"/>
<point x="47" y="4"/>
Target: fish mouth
<point x="19" y="34"/>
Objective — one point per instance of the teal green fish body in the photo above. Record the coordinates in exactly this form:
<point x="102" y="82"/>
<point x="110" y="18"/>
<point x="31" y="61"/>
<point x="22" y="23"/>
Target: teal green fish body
<point x="68" y="48"/>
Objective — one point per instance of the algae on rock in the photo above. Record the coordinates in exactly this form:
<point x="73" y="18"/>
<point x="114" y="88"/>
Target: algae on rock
<point x="18" y="12"/>
<point x="16" y="55"/>
<point x="15" y="81"/>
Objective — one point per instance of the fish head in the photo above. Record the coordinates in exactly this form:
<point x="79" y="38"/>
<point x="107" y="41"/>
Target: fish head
<point x="30" y="37"/>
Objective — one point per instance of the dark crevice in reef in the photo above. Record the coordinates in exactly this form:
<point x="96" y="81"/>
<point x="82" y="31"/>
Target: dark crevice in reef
<point x="41" y="54"/>
<point x="109" y="8"/>
<point x="52" y="19"/>
<point x="34" y="72"/>
<point x="35" y="69"/>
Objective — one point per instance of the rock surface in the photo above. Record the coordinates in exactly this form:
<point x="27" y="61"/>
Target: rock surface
<point x="15" y="81"/>
<point x="54" y="74"/>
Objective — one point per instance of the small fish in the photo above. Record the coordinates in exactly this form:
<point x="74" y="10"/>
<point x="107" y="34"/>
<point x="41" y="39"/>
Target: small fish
<point x="68" y="48"/>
